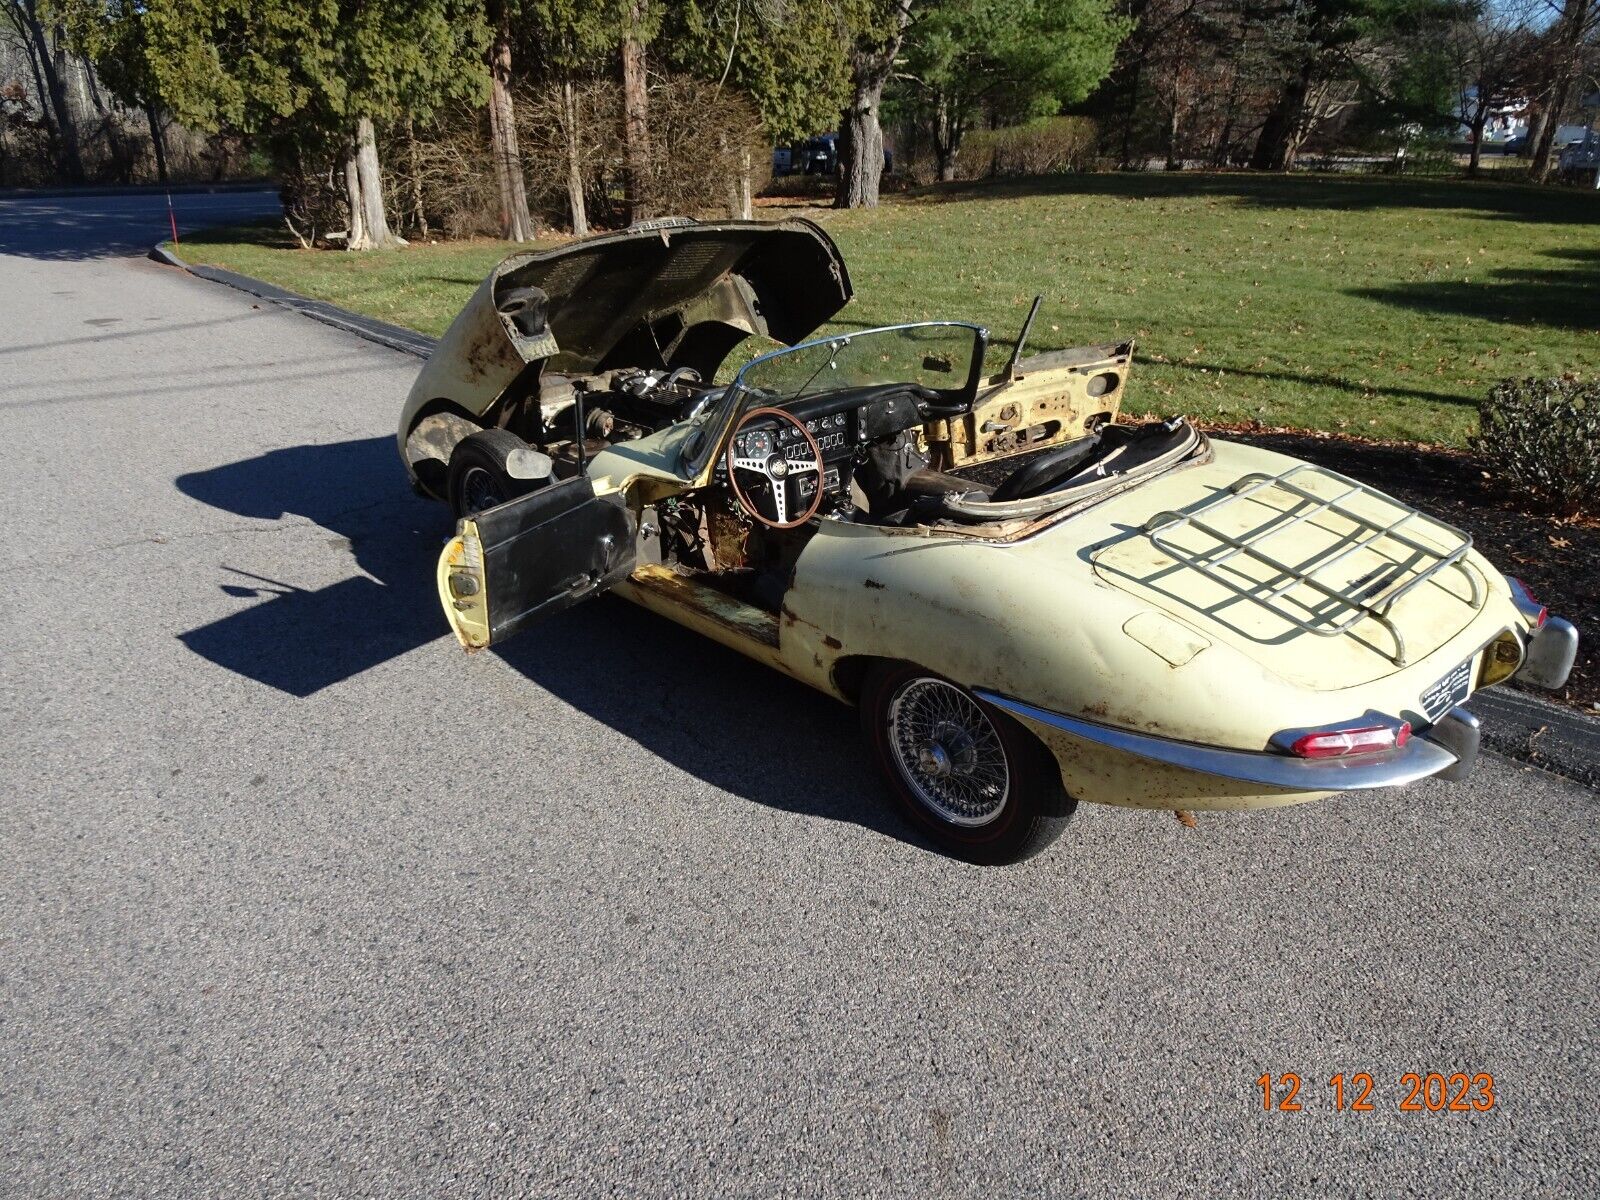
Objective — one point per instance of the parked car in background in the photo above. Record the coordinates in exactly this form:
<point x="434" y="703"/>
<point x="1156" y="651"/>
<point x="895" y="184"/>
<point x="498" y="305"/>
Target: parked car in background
<point x="1580" y="161"/>
<point x="820" y="155"/>
<point x="782" y="160"/>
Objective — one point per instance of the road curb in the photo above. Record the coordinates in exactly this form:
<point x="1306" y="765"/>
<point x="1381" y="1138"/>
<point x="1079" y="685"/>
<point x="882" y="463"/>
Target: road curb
<point x="1524" y="727"/>
<point x="395" y="337"/>
<point x="136" y="189"/>
<point x="1516" y="725"/>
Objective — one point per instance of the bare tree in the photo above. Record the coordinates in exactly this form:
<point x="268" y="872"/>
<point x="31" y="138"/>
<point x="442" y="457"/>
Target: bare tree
<point x="23" y="17"/>
<point x="1576" y="24"/>
<point x="1499" y="54"/>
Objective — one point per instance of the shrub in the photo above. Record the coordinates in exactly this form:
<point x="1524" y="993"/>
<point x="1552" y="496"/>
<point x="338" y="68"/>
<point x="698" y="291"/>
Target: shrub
<point x="1045" y="147"/>
<point x="1541" y="438"/>
<point x="441" y="180"/>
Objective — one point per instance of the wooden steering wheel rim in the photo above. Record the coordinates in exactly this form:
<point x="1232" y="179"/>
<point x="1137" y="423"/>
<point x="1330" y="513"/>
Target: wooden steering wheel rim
<point x="733" y="478"/>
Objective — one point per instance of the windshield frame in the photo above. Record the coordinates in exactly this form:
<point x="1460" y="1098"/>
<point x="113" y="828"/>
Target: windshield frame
<point x="729" y="407"/>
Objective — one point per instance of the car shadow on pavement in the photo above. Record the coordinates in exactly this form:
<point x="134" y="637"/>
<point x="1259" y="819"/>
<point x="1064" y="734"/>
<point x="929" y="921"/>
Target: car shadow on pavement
<point x="301" y="640"/>
<point x="738" y="726"/>
<point x="709" y="711"/>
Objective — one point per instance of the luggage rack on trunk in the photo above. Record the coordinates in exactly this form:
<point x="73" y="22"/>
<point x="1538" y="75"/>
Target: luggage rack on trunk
<point x="1334" y="610"/>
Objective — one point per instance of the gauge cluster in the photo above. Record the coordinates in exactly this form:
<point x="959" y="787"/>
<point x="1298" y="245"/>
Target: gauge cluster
<point x="833" y="435"/>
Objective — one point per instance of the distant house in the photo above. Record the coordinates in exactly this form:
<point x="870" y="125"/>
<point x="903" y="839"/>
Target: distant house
<point x="1506" y="120"/>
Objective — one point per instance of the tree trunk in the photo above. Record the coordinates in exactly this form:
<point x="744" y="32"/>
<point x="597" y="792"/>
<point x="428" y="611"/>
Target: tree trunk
<point x="355" y="237"/>
<point x="158" y="140"/>
<point x="363" y="182"/>
<point x="946" y="142"/>
<point x="1572" y="32"/>
<point x="1174" y="111"/>
<point x="575" y="202"/>
<point x="636" y="116"/>
<point x="419" y="211"/>
<point x="1280" y="134"/>
<point x="124" y="157"/>
<point x="1536" y="123"/>
<point x="516" y="222"/>
<point x="51" y="133"/>
<point x="1539" y="169"/>
<point x="66" y="127"/>
<point x="1132" y="114"/>
<point x="1479" y="120"/>
<point x="860" y="132"/>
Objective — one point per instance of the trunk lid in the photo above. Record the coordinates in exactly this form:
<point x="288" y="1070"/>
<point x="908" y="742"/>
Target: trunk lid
<point x="1327" y="583"/>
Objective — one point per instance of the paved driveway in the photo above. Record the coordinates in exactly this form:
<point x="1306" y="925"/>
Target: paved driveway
<point x="296" y="898"/>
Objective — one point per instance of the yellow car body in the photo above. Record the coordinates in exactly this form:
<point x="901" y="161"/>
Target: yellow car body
<point x="1172" y="638"/>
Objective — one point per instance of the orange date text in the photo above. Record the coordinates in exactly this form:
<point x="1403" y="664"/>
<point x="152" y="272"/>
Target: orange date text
<point x="1356" y="1092"/>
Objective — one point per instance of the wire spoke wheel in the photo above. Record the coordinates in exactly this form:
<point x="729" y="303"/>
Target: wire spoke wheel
<point x="949" y="752"/>
<point x="480" y="490"/>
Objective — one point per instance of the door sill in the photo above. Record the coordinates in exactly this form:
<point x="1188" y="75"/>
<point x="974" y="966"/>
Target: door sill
<point x="737" y="618"/>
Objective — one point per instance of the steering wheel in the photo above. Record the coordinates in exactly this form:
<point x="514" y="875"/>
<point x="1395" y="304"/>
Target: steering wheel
<point x="765" y="477"/>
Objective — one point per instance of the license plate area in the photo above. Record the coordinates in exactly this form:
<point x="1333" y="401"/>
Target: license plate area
<point x="1448" y="692"/>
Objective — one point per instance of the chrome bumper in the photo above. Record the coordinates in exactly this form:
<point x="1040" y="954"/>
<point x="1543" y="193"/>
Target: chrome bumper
<point x="1447" y="749"/>
<point x="1550" y="655"/>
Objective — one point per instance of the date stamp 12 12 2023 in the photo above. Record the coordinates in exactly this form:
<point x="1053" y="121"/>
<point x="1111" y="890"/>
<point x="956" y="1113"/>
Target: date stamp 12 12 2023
<point x="1418" y="1091"/>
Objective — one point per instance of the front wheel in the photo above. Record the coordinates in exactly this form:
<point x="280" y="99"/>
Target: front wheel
<point x="480" y="473"/>
<point x="977" y="783"/>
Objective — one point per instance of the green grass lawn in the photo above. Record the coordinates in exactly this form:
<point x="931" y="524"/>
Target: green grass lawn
<point x="1374" y="306"/>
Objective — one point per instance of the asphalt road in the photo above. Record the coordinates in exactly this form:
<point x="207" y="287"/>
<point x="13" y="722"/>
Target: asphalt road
<point x="295" y="898"/>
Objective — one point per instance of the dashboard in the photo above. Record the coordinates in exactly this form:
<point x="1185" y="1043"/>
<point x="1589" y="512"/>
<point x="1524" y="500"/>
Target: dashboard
<point x="844" y="424"/>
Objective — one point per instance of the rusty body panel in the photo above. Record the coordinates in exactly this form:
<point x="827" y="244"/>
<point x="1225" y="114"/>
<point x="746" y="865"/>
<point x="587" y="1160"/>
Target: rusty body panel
<point x="1053" y="399"/>
<point x="672" y="294"/>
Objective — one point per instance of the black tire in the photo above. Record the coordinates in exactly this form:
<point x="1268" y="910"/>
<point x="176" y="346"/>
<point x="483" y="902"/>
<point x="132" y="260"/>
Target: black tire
<point x="1031" y="810"/>
<point x="478" y="478"/>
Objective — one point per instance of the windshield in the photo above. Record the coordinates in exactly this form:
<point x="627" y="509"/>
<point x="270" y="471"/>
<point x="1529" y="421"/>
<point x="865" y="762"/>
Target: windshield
<point x="946" y="356"/>
<point x="939" y="355"/>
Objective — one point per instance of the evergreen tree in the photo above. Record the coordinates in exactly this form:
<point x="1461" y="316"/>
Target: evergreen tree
<point x="1009" y="59"/>
<point x="1326" y="42"/>
<point x="317" y="75"/>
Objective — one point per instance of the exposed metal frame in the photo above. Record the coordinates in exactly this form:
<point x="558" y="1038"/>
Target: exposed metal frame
<point x="1370" y="598"/>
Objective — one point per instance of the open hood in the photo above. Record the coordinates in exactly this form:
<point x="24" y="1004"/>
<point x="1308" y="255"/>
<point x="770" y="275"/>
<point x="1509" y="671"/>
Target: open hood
<point x="679" y="291"/>
<point x="672" y="293"/>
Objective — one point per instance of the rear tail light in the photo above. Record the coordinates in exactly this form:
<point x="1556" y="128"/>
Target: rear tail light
<point x="1363" y="739"/>
<point x="1527" y="603"/>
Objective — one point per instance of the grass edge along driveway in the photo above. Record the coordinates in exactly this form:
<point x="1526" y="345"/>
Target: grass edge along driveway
<point x="1372" y="306"/>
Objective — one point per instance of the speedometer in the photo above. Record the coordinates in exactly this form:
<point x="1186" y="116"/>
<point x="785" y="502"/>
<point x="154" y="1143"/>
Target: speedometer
<point x="759" y="443"/>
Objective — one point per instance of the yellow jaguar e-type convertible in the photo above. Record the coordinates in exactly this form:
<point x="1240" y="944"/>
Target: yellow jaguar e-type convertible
<point x="1031" y="603"/>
